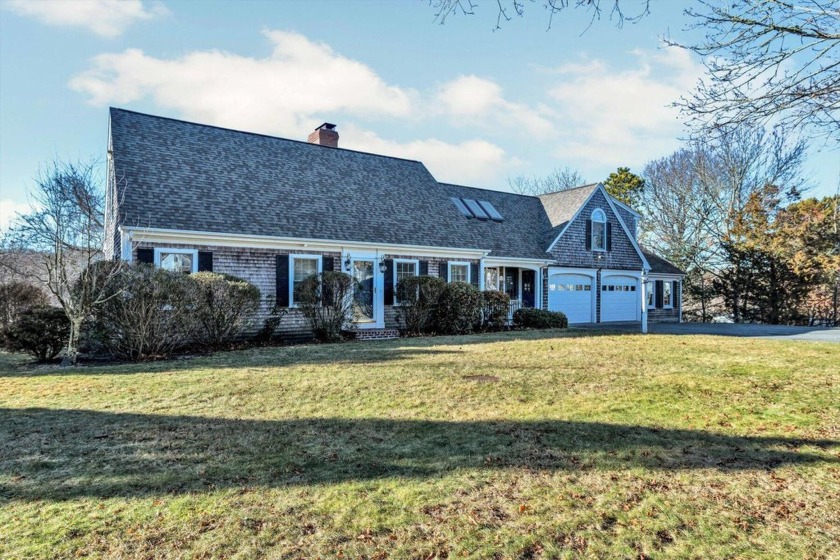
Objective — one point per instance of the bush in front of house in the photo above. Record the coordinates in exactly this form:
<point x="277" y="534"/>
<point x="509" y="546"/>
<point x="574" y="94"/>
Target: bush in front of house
<point x="458" y="309"/>
<point x="40" y="331"/>
<point x="146" y="313"/>
<point x="16" y="297"/>
<point x="533" y="318"/>
<point x="495" y="306"/>
<point x="418" y="300"/>
<point x="220" y="307"/>
<point x="326" y="301"/>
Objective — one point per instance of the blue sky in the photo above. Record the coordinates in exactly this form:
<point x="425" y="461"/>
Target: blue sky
<point x="476" y="106"/>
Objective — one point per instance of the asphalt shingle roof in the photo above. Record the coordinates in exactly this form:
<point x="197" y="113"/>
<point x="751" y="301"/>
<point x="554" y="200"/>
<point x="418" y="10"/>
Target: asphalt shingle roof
<point x="660" y="265"/>
<point x="187" y="176"/>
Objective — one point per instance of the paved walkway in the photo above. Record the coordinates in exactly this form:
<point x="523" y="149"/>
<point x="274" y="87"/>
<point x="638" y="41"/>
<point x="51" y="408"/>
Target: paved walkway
<point x="783" y="332"/>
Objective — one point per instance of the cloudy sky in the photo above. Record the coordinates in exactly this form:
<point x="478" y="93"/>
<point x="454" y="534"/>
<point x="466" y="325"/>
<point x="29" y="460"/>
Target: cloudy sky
<point x="476" y="106"/>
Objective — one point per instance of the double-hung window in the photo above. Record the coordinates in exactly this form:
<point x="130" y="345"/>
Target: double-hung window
<point x="301" y="267"/>
<point x="667" y="296"/>
<point x="177" y="260"/>
<point x="599" y="230"/>
<point x="459" y="272"/>
<point x="650" y="293"/>
<point x="403" y="269"/>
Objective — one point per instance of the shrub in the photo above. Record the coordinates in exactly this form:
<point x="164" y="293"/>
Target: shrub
<point x="532" y="318"/>
<point x="40" y="331"/>
<point x="268" y="332"/>
<point x="16" y="297"/>
<point x="418" y="297"/>
<point x="326" y="300"/>
<point x="458" y="309"/>
<point x="495" y="306"/>
<point x="145" y="315"/>
<point x="220" y="306"/>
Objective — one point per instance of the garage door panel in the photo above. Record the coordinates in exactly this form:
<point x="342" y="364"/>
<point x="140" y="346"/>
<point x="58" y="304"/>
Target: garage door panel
<point x="573" y="295"/>
<point x="620" y="299"/>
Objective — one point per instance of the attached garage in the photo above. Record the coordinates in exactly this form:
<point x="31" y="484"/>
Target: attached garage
<point x="620" y="299"/>
<point x="573" y="294"/>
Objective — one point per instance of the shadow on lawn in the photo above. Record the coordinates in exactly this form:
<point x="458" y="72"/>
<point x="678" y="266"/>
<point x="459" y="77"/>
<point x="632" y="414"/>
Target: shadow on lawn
<point x="61" y="454"/>
<point x="295" y="355"/>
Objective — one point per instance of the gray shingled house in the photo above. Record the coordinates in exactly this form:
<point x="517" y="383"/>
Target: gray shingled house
<point x="193" y="197"/>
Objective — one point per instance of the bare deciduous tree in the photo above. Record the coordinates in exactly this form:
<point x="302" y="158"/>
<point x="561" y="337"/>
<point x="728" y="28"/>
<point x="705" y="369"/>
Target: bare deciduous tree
<point x="768" y="62"/>
<point x="694" y="197"/>
<point x="63" y="236"/>
<point x="559" y="180"/>
<point x="506" y="10"/>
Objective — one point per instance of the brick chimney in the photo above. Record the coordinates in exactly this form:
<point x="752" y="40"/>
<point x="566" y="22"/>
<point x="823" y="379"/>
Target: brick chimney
<point x="324" y="135"/>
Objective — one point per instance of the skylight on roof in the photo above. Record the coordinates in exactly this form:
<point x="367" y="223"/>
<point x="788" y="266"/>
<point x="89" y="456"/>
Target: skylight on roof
<point x="491" y="211"/>
<point x="480" y="209"/>
<point x="476" y="209"/>
<point x="459" y="204"/>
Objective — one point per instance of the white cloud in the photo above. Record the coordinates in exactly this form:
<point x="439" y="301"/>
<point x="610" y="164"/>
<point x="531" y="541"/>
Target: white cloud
<point x="469" y="162"/>
<point x="299" y="83"/>
<point x="108" y="18"/>
<point x="479" y="100"/>
<point x="623" y="116"/>
<point x="9" y="209"/>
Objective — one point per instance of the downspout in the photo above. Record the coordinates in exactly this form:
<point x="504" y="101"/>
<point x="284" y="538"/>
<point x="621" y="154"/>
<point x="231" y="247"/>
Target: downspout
<point x="681" y="298"/>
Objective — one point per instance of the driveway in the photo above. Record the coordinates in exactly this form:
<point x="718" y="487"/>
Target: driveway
<point x="781" y="332"/>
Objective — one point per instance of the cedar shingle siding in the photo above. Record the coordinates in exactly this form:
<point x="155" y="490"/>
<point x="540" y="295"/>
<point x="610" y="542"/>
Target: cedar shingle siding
<point x="166" y="174"/>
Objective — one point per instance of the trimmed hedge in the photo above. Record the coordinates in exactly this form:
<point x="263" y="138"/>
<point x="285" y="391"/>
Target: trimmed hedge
<point x="220" y="307"/>
<point x="459" y="308"/>
<point x="532" y="318"/>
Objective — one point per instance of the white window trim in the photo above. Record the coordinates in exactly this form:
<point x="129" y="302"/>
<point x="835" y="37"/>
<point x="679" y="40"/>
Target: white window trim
<point x="670" y="304"/>
<point x="193" y="252"/>
<point x="292" y="258"/>
<point x="592" y="227"/>
<point x="651" y="293"/>
<point x="449" y="266"/>
<point x="416" y="263"/>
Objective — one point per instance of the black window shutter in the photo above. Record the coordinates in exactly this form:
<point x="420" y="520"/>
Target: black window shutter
<point x="146" y="256"/>
<point x="674" y="292"/>
<point x="443" y="270"/>
<point x="205" y="261"/>
<point x="424" y="268"/>
<point x="327" y="263"/>
<point x="659" y="294"/>
<point x="389" y="281"/>
<point x="588" y="235"/>
<point x="474" y="274"/>
<point x="282" y="280"/>
<point x="609" y="236"/>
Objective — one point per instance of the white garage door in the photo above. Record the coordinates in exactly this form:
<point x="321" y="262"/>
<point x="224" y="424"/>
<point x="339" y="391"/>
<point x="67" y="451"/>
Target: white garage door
<point x="619" y="299"/>
<point x="571" y="294"/>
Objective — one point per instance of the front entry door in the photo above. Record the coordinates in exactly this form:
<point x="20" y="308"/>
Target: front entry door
<point x="528" y="288"/>
<point x="366" y="293"/>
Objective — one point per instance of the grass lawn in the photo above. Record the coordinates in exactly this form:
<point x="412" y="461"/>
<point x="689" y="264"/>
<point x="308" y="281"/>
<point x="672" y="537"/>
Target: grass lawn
<point x="585" y="446"/>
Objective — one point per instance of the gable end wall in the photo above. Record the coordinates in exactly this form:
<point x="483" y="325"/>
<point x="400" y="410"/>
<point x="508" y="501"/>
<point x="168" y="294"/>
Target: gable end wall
<point x="570" y="249"/>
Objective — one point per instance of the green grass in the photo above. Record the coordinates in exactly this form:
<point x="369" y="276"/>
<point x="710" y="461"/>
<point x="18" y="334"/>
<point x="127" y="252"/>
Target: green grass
<point x="587" y="446"/>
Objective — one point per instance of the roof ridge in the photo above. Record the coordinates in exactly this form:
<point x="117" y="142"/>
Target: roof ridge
<point x="486" y="189"/>
<point x="262" y="135"/>
<point x="571" y="189"/>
